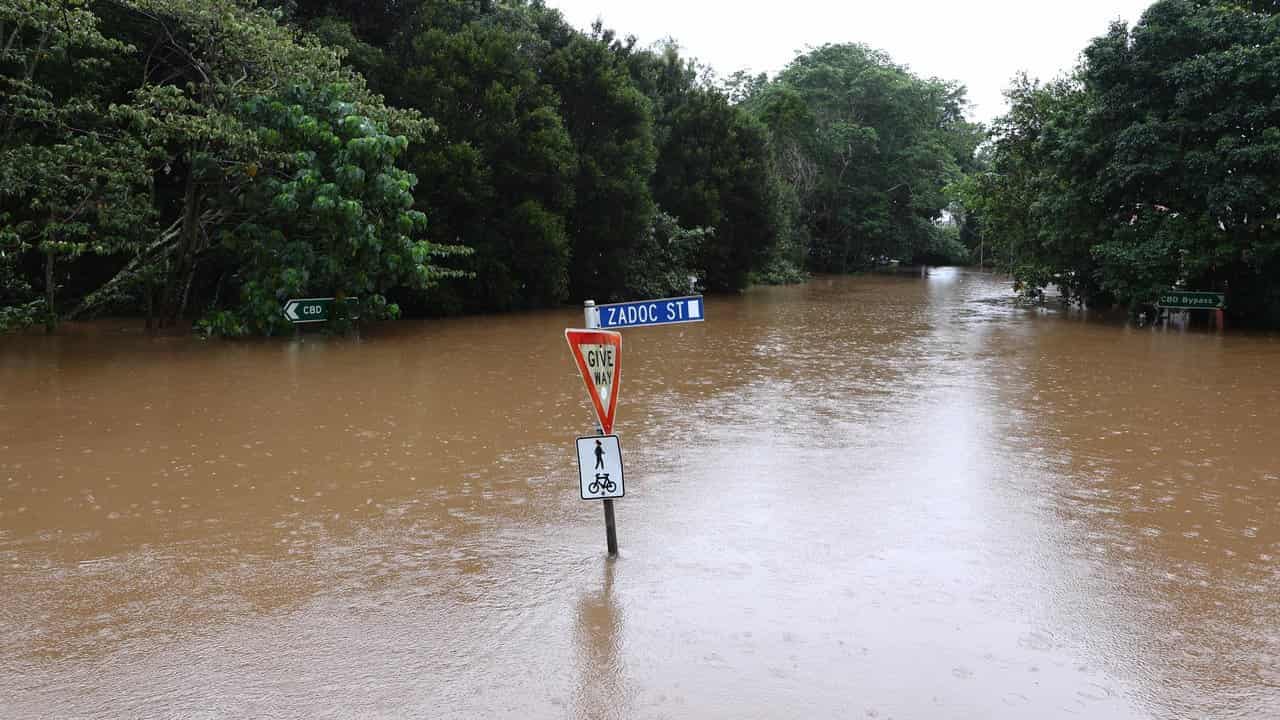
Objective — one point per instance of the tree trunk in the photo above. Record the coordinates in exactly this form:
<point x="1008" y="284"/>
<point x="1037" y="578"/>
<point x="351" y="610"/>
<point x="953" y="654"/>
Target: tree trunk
<point x="51" y="317"/>
<point x="186" y="290"/>
<point x="183" y="262"/>
<point x="150" y="291"/>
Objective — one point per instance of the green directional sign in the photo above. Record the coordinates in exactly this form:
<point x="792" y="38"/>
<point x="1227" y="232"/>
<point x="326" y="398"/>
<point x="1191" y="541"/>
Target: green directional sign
<point x="1186" y="300"/>
<point x="311" y="310"/>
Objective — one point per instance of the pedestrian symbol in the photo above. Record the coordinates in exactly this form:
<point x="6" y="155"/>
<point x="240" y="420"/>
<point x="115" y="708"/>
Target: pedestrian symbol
<point x="600" y="467"/>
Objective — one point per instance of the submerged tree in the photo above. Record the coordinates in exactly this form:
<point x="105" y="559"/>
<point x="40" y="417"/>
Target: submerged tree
<point x="499" y="175"/>
<point x="867" y="148"/>
<point x="332" y="214"/>
<point x="712" y="168"/>
<point x="1154" y="165"/>
<point x="610" y="123"/>
<point x="132" y="132"/>
<point x="73" y="168"/>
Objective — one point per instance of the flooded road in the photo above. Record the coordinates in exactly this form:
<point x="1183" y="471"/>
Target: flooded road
<point x="883" y="497"/>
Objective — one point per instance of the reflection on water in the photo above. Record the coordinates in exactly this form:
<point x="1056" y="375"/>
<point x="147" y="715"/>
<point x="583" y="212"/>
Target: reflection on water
<point x="863" y="497"/>
<point x="600" y="669"/>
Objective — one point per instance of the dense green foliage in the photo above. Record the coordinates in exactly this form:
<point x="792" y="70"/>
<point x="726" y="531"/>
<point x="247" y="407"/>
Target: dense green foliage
<point x="564" y="158"/>
<point x="165" y="154"/>
<point x="209" y="159"/>
<point x="499" y="174"/>
<point x="337" y="216"/>
<point x="1156" y="164"/>
<point x="867" y="148"/>
<point x="712" y="169"/>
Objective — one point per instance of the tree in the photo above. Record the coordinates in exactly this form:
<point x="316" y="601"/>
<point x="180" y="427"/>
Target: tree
<point x="610" y="123"/>
<point x="333" y="217"/>
<point x="1039" y="223"/>
<point x="1186" y="102"/>
<point x="499" y="176"/>
<point x="72" y="170"/>
<point x="206" y="59"/>
<point x="712" y="168"/>
<point x="132" y="133"/>
<point x="867" y="149"/>
<point x="666" y="261"/>
<point x="1154" y="165"/>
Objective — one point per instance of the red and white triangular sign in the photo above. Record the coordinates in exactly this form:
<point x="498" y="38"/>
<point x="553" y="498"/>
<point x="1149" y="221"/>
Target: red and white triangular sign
<point x="597" y="353"/>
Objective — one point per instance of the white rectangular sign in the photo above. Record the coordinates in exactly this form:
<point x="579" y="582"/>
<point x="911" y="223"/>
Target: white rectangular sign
<point x="600" y="467"/>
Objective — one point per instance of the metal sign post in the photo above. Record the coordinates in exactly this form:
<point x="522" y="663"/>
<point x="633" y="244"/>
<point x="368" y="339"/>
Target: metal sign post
<point x="610" y="526"/>
<point x="596" y="351"/>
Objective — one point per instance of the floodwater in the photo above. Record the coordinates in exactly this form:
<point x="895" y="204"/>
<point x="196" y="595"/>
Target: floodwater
<point x="878" y="497"/>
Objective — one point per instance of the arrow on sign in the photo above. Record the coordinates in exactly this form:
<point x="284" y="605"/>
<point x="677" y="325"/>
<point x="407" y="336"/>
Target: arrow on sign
<point x="1192" y="300"/>
<point x="307" y="310"/>
<point x="597" y="354"/>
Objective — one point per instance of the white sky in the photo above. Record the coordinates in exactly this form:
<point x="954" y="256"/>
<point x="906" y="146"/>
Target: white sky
<point x="981" y="43"/>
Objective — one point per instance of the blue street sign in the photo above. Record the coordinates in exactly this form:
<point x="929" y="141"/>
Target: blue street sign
<point x="667" y="311"/>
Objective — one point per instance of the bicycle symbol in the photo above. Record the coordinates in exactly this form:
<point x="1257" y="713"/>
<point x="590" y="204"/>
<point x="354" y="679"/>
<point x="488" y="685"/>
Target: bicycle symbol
<point x="602" y="484"/>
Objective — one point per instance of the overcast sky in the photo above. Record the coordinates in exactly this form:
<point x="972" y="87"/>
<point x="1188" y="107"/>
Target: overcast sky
<point x="981" y="43"/>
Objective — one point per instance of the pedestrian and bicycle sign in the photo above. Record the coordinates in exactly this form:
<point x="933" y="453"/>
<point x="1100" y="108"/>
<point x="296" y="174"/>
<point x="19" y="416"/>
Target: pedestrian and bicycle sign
<point x="312" y="310"/>
<point x="596" y="353"/>
<point x="600" y="467"/>
<point x="667" y="311"/>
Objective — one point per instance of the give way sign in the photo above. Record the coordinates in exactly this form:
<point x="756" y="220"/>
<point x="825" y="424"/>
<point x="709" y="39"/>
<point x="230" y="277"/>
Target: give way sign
<point x="597" y="354"/>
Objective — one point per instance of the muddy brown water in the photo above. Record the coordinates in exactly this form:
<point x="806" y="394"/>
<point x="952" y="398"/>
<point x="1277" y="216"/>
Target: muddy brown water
<point x="886" y="497"/>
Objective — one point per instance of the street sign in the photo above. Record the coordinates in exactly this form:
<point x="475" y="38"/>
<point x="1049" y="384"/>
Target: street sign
<point x="1184" y="300"/>
<point x="600" y="467"/>
<point x="597" y="354"/>
<point x="310" y="310"/>
<point x="667" y="311"/>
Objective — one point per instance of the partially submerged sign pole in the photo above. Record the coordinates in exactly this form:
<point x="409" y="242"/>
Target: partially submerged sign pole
<point x="597" y="354"/>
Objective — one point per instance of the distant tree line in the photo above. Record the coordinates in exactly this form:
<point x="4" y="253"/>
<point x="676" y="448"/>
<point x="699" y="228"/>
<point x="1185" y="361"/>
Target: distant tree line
<point x="1156" y="164"/>
<point x="205" y="160"/>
